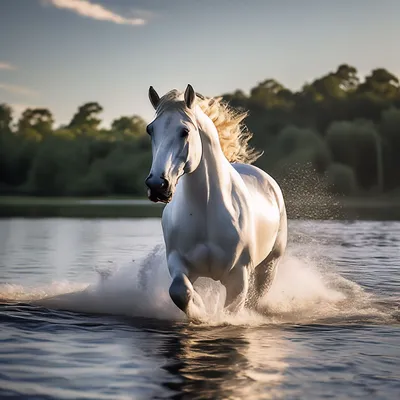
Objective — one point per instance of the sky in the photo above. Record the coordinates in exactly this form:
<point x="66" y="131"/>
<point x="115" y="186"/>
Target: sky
<point x="60" y="54"/>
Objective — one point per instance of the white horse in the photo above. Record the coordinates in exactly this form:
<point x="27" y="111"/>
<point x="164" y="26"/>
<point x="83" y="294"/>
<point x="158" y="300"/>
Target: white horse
<point x="224" y="219"/>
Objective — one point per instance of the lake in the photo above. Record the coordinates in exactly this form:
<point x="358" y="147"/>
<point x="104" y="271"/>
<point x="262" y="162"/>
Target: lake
<point x="85" y="314"/>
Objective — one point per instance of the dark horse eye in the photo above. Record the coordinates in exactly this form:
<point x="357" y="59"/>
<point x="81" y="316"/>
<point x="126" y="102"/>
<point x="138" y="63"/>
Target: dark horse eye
<point x="184" y="132"/>
<point x="149" y="129"/>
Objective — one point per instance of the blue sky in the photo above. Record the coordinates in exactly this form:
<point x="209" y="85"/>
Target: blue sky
<point x="62" y="53"/>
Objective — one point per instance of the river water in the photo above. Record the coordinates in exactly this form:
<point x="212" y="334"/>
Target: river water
<point x="85" y="314"/>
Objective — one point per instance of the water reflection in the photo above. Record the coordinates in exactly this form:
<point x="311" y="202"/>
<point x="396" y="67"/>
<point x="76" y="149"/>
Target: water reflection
<point x="353" y="352"/>
<point x="224" y="362"/>
<point x="69" y="249"/>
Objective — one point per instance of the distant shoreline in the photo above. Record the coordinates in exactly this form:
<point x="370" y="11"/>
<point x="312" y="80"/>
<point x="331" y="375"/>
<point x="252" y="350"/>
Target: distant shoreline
<point x="324" y="208"/>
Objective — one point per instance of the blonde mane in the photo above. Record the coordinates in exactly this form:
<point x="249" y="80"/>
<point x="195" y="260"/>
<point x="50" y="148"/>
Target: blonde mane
<point x="233" y="134"/>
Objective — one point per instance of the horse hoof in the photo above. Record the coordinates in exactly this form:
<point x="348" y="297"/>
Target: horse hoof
<point x="180" y="294"/>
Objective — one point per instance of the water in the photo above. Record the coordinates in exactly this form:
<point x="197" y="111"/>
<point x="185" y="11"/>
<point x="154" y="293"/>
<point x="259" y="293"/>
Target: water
<point x="85" y="314"/>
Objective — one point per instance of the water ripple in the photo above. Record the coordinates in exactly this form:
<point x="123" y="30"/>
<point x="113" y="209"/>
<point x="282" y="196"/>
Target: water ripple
<point x="331" y="326"/>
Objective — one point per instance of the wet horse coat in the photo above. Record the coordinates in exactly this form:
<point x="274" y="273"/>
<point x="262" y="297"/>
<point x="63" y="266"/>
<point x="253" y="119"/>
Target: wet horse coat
<point x="223" y="220"/>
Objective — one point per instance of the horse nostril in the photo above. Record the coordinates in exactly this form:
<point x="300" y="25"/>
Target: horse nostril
<point x="164" y="183"/>
<point x="157" y="184"/>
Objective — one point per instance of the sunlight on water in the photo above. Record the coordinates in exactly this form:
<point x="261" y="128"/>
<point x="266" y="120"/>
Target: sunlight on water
<point x="306" y="290"/>
<point x="328" y="327"/>
<point x="20" y="293"/>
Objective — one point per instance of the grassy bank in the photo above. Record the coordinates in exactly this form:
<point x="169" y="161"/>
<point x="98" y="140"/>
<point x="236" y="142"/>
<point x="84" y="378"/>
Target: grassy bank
<point x="319" y="208"/>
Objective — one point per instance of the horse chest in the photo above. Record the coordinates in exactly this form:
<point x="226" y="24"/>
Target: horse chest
<point x="208" y="251"/>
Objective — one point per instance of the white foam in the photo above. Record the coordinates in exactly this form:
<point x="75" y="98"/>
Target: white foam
<point x="304" y="291"/>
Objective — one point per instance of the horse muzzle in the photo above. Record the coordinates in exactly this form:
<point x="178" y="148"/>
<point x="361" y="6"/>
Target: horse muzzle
<point x="157" y="197"/>
<point x="159" y="189"/>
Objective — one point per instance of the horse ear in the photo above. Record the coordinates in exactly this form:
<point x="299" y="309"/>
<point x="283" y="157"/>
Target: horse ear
<point x="190" y="96"/>
<point x="154" y="97"/>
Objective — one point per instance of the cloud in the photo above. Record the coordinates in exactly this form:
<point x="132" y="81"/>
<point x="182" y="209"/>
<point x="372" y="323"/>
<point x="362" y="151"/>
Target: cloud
<point x="20" y="90"/>
<point x="5" y="65"/>
<point x="95" y="11"/>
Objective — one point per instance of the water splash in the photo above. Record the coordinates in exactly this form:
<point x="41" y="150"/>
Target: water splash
<point x="18" y="293"/>
<point x="306" y="290"/>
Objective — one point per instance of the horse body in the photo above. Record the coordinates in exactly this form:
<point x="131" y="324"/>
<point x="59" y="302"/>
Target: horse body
<point x="225" y="221"/>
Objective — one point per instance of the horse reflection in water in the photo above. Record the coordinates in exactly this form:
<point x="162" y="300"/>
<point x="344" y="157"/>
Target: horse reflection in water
<point x="225" y="219"/>
<point x="223" y="362"/>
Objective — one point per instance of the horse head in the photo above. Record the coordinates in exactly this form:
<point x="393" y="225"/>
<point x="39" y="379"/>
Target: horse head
<point x="175" y="140"/>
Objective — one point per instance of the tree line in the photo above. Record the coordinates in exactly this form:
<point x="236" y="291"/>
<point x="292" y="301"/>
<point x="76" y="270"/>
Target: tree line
<point x="338" y="129"/>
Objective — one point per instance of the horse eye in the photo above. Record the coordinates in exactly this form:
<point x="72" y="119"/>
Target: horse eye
<point x="149" y="130"/>
<point x="184" y="132"/>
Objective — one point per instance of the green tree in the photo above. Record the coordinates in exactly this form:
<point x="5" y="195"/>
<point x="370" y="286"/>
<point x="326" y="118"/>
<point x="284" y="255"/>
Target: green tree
<point x="357" y="144"/>
<point x="5" y="117"/>
<point x="299" y="147"/>
<point x="128" y="127"/>
<point x="341" y="179"/>
<point x="270" y="94"/>
<point x="390" y="134"/>
<point x="334" y="130"/>
<point x="380" y="85"/>
<point x="348" y="78"/>
<point x="85" y="120"/>
<point x="334" y="85"/>
<point x="35" y="123"/>
<point x="57" y="165"/>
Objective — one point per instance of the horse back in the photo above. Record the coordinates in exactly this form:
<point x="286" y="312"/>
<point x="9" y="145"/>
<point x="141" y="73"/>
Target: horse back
<point x="258" y="182"/>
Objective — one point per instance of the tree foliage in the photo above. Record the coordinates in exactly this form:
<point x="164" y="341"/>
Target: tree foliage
<point x="338" y="128"/>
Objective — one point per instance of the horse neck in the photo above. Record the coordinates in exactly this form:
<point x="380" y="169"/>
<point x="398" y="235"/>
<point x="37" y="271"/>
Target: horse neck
<point x="211" y="181"/>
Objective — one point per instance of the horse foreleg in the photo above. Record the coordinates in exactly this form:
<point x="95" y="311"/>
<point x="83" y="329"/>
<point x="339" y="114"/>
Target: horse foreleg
<point x="181" y="290"/>
<point x="237" y="286"/>
<point x="185" y="297"/>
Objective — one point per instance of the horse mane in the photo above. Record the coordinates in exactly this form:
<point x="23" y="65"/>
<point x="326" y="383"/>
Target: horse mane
<point x="233" y="133"/>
